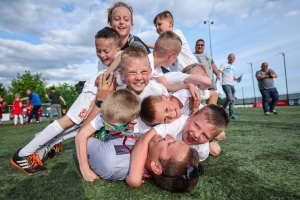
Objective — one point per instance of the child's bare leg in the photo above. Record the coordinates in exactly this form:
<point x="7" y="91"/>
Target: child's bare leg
<point x="220" y="137"/>
<point x="213" y="97"/>
<point x="214" y="148"/>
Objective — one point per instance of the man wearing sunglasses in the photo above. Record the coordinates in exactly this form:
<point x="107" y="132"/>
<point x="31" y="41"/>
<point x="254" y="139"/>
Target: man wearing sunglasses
<point x="207" y="61"/>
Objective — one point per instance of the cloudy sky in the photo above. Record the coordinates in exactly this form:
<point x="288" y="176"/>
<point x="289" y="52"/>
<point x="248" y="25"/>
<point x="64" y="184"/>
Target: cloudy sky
<point x="56" y="38"/>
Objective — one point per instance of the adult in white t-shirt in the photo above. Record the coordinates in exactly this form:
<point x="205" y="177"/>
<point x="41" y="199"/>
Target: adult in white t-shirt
<point x="227" y="70"/>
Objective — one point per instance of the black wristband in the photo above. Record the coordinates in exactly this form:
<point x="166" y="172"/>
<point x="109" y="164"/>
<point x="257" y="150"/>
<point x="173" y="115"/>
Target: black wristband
<point x="98" y="103"/>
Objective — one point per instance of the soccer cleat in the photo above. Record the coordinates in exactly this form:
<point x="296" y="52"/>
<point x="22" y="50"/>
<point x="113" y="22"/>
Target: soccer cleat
<point x="28" y="164"/>
<point x="58" y="147"/>
<point x="26" y="123"/>
<point x="37" y="122"/>
<point x="274" y="112"/>
<point x="233" y="117"/>
<point x="15" y="125"/>
<point x="1" y="125"/>
<point x="267" y="113"/>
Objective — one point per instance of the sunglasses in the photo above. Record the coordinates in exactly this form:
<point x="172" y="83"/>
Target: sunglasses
<point x="192" y="172"/>
<point x="198" y="45"/>
<point x="114" y="128"/>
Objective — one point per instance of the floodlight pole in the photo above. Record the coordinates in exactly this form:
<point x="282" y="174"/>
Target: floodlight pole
<point x="286" y="84"/>
<point x="209" y="23"/>
<point x="253" y="83"/>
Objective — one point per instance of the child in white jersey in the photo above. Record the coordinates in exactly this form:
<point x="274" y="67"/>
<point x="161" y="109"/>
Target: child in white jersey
<point x="164" y="22"/>
<point x="166" y="112"/>
<point x="107" y="48"/>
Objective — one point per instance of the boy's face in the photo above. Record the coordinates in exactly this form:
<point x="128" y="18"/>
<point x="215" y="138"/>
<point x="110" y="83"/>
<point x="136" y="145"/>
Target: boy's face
<point x="121" y="21"/>
<point x="166" y="111"/>
<point x="166" y="148"/>
<point x="106" y="50"/>
<point x="163" y="25"/>
<point x="136" y="74"/>
<point x="197" y="130"/>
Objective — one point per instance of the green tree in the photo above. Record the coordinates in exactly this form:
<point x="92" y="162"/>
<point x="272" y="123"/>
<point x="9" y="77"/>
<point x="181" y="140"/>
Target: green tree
<point x="221" y="101"/>
<point x="5" y="95"/>
<point x="34" y="82"/>
<point x="68" y="92"/>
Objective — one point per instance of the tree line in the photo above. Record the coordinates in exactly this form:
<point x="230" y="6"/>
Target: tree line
<point x="37" y="83"/>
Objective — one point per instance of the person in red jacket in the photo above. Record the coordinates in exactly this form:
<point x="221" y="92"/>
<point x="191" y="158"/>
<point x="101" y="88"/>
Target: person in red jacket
<point x="18" y="109"/>
<point x="28" y="110"/>
<point x="2" y="107"/>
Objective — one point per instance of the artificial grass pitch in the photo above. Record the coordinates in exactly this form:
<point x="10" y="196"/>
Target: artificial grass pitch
<point x="259" y="160"/>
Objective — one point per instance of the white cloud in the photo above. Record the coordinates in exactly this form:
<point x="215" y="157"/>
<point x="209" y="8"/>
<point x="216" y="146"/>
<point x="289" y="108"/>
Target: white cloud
<point x="292" y="13"/>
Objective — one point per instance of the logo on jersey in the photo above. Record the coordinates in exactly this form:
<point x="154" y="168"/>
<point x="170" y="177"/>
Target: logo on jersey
<point x="82" y="113"/>
<point x="228" y="69"/>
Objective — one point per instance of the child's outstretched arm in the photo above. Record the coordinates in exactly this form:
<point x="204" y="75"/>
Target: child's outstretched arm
<point x="80" y="142"/>
<point x="138" y="159"/>
<point x="150" y="45"/>
<point x="203" y="82"/>
<point x="175" y="87"/>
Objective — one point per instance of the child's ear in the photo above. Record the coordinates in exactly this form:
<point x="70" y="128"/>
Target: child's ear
<point x="132" y="25"/>
<point x="171" y="23"/>
<point x="121" y="74"/>
<point x="156" y="168"/>
<point x="170" y="55"/>
<point x="165" y="97"/>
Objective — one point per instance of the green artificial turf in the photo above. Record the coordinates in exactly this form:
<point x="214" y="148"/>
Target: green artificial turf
<point x="260" y="159"/>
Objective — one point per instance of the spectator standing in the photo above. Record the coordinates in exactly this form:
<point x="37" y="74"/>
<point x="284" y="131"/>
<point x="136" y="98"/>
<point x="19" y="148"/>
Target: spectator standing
<point x="54" y="96"/>
<point x="265" y="78"/>
<point x="2" y="107"/>
<point x="36" y="102"/>
<point x="207" y="61"/>
<point x="18" y="110"/>
<point x="227" y="70"/>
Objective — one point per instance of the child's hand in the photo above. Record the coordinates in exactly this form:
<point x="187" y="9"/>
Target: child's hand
<point x="194" y="92"/>
<point x="89" y="175"/>
<point x="105" y="86"/>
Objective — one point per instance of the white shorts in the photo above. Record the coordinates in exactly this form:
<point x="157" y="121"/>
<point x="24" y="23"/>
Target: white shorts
<point x="204" y="94"/>
<point x="80" y="107"/>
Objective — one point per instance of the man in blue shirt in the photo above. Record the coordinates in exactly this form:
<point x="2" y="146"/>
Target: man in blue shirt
<point x="36" y="102"/>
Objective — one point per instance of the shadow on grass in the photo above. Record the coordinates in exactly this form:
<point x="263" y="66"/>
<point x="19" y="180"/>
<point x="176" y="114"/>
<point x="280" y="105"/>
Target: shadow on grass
<point x="47" y="186"/>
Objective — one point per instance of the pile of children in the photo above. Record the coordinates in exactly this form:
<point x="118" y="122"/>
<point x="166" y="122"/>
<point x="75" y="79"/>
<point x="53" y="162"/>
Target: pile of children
<point x="146" y="107"/>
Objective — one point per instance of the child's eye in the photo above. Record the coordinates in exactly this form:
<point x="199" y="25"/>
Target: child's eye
<point x="196" y="125"/>
<point x="205" y="136"/>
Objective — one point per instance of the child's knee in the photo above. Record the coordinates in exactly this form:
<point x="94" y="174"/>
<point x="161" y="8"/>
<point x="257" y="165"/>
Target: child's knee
<point x="65" y="122"/>
<point x="214" y="149"/>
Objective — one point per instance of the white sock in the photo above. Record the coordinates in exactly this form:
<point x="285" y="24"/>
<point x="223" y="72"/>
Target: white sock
<point x="66" y="137"/>
<point x="46" y="135"/>
<point x="16" y="119"/>
<point x="21" y="119"/>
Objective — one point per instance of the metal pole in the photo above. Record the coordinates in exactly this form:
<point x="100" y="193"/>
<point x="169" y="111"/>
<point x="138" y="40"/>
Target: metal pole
<point x="243" y="97"/>
<point x="209" y="23"/>
<point x="253" y="83"/>
<point x="286" y="84"/>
